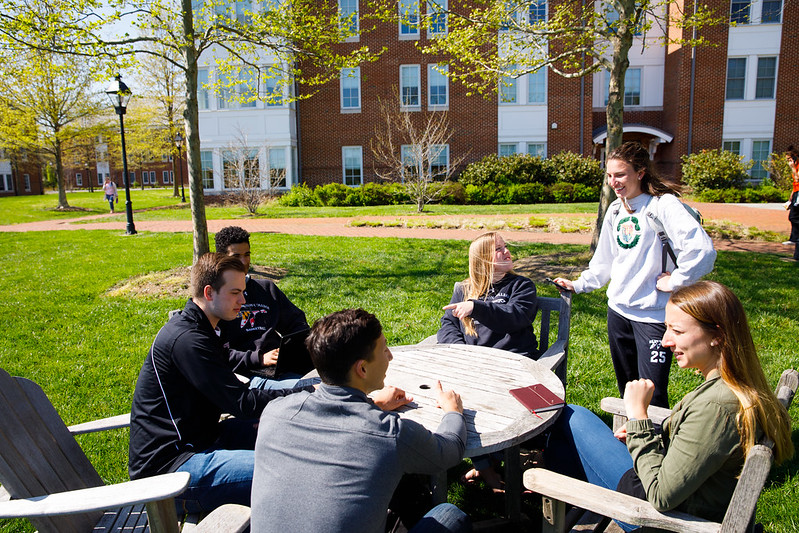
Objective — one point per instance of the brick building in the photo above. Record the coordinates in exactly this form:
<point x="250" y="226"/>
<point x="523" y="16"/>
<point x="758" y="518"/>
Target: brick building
<point x="20" y="174"/>
<point x="678" y="100"/>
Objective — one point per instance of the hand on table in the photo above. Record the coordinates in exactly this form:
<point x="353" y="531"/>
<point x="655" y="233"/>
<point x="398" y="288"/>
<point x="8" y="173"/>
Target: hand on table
<point x="663" y="283"/>
<point x="448" y="400"/>
<point x="461" y="309"/>
<point x="270" y="358"/>
<point x="389" y="398"/>
<point x="637" y="395"/>
<point x="565" y="283"/>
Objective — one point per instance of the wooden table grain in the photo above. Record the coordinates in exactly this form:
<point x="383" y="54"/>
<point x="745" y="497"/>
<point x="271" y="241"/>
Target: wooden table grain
<point x="495" y="420"/>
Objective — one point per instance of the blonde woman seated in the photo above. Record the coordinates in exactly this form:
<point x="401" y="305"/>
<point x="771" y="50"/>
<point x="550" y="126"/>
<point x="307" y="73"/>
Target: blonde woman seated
<point x="493" y="307"/>
<point x="693" y="466"/>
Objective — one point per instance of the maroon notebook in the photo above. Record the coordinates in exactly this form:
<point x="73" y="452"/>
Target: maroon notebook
<point x="537" y="398"/>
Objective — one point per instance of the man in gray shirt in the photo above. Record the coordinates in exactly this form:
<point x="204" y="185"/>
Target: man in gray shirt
<point x="330" y="460"/>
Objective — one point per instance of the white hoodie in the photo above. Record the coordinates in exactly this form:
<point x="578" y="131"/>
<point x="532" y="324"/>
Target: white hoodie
<point x="629" y="255"/>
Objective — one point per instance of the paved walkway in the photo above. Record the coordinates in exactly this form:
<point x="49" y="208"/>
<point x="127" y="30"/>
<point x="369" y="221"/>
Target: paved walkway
<point x="770" y="217"/>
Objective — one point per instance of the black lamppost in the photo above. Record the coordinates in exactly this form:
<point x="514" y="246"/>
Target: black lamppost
<point x="179" y="144"/>
<point x="120" y="94"/>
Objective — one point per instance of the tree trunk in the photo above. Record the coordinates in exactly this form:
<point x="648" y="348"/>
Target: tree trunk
<point x="192" y="121"/>
<point x="614" y="116"/>
<point x="59" y="174"/>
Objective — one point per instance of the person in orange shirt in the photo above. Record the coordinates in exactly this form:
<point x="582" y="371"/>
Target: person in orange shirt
<point x="792" y="205"/>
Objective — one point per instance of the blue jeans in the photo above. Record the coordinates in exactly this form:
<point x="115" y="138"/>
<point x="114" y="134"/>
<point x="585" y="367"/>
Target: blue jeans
<point x="286" y="381"/>
<point x="443" y="518"/>
<point x="582" y="446"/>
<point x="222" y="473"/>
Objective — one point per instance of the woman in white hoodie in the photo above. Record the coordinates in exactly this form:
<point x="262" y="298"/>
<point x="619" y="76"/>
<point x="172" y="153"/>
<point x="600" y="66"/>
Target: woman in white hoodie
<point x="630" y="255"/>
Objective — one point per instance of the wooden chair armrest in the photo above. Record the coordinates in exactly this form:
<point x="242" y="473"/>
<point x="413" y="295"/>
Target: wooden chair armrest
<point x="615" y="406"/>
<point x="554" y="356"/>
<point x="102" y="424"/>
<point x="229" y="518"/>
<point x="98" y="498"/>
<point x="611" y="503"/>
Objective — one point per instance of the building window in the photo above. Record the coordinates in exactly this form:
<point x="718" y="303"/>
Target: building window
<point x="537" y="150"/>
<point x="207" y="169"/>
<point x="165" y="176"/>
<point x="736" y="78"/>
<point x="632" y="87"/>
<point x="537" y="87"/>
<point x="27" y="178"/>
<point x="732" y="146"/>
<point x="351" y="88"/>
<point x="766" y="77"/>
<point x="760" y="155"/>
<point x="507" y="149"/>
<point x="244" y="11"/>
<point x="438" y="86"/>
<point x="6" y="182"/>
<point x="277" y="167"/>
<point x="409" y="19"/>
<point x="153" y="177"/>
<point x="99" y="178"/>
<point x="739" y="11"/>
<point x="507" y="88"/>
<point x="202" y="93"/>
<point x="132" y="174"/>
<point x="348" y="17"/>
<point x="439" y="161"/>
<point x="409" y="86"/>
<point x="772" y="12"/>
<point x="538" y="11"/>
<point x="78" y="179"/>
<point x="352" y="163"/>
<point x="145" y="178"/>
<point x="437" y="11"/>
<point x="238" y="91"/>
<point x="274" y="92"/>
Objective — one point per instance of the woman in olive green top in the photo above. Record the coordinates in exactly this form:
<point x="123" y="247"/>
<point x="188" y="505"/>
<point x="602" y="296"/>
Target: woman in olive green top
<point x="694" y="463"/>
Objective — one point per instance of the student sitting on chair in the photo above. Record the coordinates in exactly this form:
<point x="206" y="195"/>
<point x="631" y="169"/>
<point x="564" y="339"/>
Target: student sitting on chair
<point x="253" y="337"/>
<point x="693" y="466"/>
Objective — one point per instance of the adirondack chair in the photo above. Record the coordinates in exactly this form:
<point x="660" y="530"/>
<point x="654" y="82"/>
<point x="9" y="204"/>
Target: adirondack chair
<point x="558" y="490"/>
<point x="554" y="355"/>
<point x="46" y="477"/>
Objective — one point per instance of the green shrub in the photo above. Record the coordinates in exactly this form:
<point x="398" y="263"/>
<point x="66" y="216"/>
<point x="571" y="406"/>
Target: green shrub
<point x="518" y="168"/>
<point x="761" y="194"/>
<point x="562" y="192"/>
<point x="714" y="169"/>
<point x="585" y="193"/>
<point x="452" y="193"/>
<point x="375" y="194"/>
<point x="332" y="194"/>
<point x="399" y="194"/>
<point x="300" y="196"/>
<point x="490" y="193"/>
<point x="569" y="167"/>
<point x="528" y="193"/>
<point x="779" y="171"/>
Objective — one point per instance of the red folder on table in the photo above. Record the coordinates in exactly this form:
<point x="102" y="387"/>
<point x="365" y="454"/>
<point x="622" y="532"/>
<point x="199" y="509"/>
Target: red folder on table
<point x="537" y="398"/>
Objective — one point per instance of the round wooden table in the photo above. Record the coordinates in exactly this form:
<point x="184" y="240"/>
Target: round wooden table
<point x="495" y="420"/>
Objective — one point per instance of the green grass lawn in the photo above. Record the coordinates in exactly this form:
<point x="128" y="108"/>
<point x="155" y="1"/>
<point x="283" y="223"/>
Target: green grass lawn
<point x="59" y="327"/>
<point x="18" y="209"/>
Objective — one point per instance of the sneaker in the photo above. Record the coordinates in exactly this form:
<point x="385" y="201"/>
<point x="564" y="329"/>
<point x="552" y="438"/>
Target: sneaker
<point x="788" y="243"/>
<point x="789" y="260"/>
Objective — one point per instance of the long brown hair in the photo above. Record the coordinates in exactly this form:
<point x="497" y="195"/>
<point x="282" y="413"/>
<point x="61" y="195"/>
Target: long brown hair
<point x="720" y="312"/>
<point x="481" y="273"/>
<point x="634" y="154"/>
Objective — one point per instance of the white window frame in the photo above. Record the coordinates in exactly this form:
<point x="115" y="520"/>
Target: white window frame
<point x="537" y="3"/>
<point x="274" y="85"/>
<point x="542" y="152"/>
<point x="349" y="23"/>
<point x="165" y="176"/>
<point x="27" y="178"/>
<point x="408" y="10"/>
<point x="6" y="183"/>
<point x="541" y="73"/>
<point x="203" y="98"/>
<point x="285" y="168"/>
<point x="727" y="79"/>
<point x="206" y="165"/>
<point x="78" y="179"/>
<point x="433" y="71"/>
<point x="350" y="75"/>
<point x="757" y="162"/>
<point x="418" y="86"/>
<point x="606" y="87"/>
<point x="727" y="145"/>
<point x="773" y="79"/>
<point x="509" y="89"/>
<point x="436" y="9"/>
<point x="736" y="14"/>
<point x="440" y="149"/>
<point x="352" y="150"/>
<point x="507" y="149"/>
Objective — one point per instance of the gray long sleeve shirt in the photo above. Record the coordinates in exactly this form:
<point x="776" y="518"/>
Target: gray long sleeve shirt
<point x="330" y="461"/>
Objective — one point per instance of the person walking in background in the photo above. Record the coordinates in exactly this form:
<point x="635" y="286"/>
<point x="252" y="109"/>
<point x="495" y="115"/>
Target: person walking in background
<point x="792" y="205"/>
<point x="110" y="190"/>
<point x="629" y="255"/>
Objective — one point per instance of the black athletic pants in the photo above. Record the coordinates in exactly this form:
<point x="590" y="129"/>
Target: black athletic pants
<point x="637" y="354"/>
